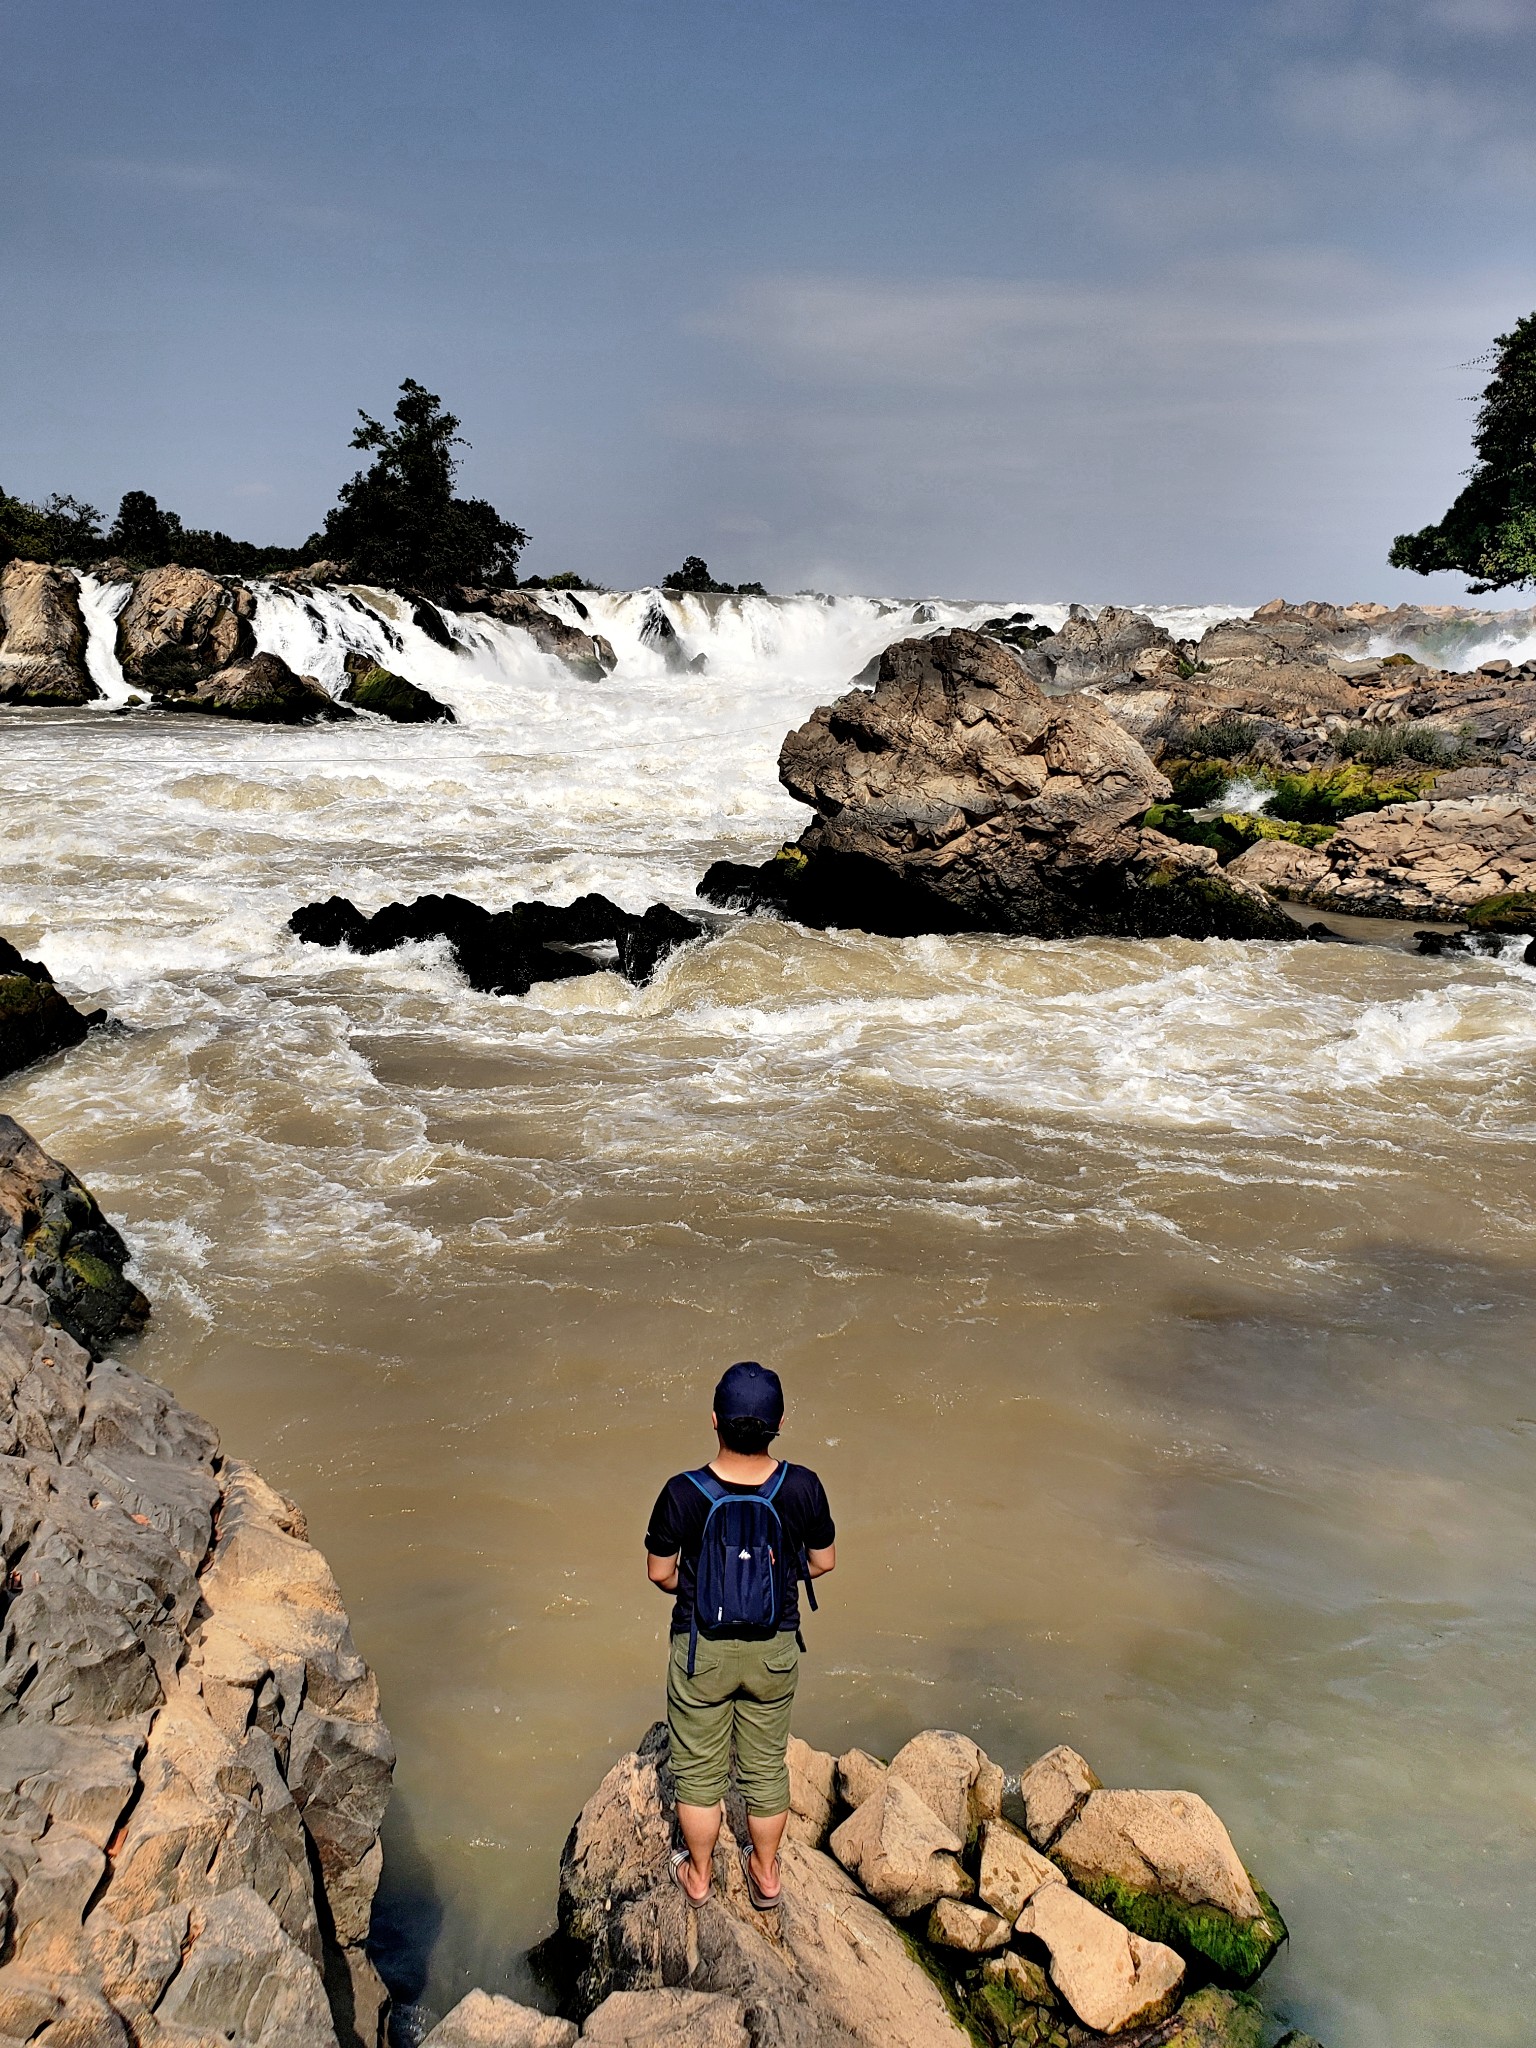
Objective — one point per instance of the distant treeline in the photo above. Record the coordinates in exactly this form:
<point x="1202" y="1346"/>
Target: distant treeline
<point x="396" y="523"/>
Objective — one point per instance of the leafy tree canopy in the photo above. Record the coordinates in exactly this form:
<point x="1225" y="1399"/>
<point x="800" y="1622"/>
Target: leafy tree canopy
<point x="398" y="523"/>
<point x="1490" y="531"/>
<point x="61" y="530"/>
<point x="694" y="576"/>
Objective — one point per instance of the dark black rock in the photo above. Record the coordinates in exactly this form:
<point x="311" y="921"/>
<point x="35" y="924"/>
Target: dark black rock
<point x="505" y="952"/>
<point x="432" y="623"/>
<point x="1327" y="936"/>
<point x="35" y="1020"/>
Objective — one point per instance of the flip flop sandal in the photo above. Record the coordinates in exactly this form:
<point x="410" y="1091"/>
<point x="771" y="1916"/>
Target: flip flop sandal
<point x="677" y="1859"/>
<point x="763" y="1901"/>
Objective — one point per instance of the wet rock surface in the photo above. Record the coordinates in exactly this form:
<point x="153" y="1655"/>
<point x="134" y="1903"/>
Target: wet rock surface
<point x="381" y="691"/>
<point x="181" y="626"/>
<point x="35" y="1020"/>
<point x="903" y="1930"/>
<point x="956" y="796"/>
<point x="42" y="637"/>
<point x="504" y="952"/>
<point x="585" y="654"/>
<point x="193" y="1767"/>
<point x="265" y="689"/>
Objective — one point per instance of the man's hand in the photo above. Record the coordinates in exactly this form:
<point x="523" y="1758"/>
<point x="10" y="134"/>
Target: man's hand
<point x="662" y="1571"/>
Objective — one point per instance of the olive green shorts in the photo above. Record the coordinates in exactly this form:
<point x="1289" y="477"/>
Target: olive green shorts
<point x="740" y="1692"/>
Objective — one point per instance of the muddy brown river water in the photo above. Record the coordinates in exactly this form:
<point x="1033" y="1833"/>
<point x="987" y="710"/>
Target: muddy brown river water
<point x="1159" y="1316"/>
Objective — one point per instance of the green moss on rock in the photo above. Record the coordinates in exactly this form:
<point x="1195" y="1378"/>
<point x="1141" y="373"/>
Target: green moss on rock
<point x="1326" y="796"/>
<point x="1233" y="832"/>
<point x="1218" y="2019"/>
<point x="1514" y="913"/>
<point x="381" y="691"/>
<point x="35" y="1020"/>
<point x="1218" y="1944"/>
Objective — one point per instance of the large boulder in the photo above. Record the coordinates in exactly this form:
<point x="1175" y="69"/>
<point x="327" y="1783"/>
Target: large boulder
<point x="1011" y="1869"/>
<point x="1163" y="1864"/>
<point x="902" y="1854"/>
<point x="1054" y="1791"/>
<point x="265" y="689"/>
<point x="35" y="1020"/>
<point x="587" y="655"/>
<point x="484" y="2021"/>
<point x="1111" y="1978"/>
<point x="668" y="2019"/>
<point x="859" y="1776"/>
<point x="381" y="691"/>
<point x="42" y="637"/>
<point x="827" y="1970"/>
<point x="1107" y="650"/>
<point x="181" y="626"/>
<point x="813" y="1798"/>
<point x="51" y="1225"/>
<point x="957" y="797"/>
<point x="1432" y="859"/>
<point x="953" y="1777"/>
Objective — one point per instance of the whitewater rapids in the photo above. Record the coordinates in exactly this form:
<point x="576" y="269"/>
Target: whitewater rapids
<point x="1158" y="1314"/>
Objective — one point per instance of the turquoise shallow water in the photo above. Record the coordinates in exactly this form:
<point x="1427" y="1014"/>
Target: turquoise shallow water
<point x="1159" y="1316"/>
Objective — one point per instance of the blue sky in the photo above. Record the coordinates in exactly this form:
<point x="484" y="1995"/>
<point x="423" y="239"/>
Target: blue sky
<point x="1148" y="301"/>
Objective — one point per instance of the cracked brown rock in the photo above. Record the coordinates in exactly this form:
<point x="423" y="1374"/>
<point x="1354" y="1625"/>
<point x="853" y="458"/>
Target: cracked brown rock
<point x="42" y="637"/>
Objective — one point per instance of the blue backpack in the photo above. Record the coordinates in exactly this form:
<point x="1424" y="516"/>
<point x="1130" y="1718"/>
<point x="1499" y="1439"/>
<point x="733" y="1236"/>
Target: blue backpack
<point x="742" y="1575"/>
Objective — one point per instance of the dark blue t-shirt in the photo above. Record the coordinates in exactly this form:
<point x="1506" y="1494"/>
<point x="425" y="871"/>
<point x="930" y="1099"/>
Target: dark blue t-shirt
<point x="677" y="1530"/>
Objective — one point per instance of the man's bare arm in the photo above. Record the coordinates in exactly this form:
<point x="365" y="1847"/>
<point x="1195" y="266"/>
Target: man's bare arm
<point x="820" y="1562"/>
<point x="662" y="1571"/>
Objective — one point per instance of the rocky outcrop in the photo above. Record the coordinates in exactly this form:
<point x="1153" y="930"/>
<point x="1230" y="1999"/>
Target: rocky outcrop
<point x="264" y="689"/>
<point x="1106" y="650"/>
<point x="1435" y="859"/>
<point x="931" y="1920"/>
<point x="35" y="1020"/>
<point x="585" y="654"/>
<point x="42" y="637"/>
<point x="53" y="1230"/>
<point x="381" y="691"/>
<point x="957" y="797"/>
<point x="192" y="1764"/>
<point x="504" y="952"/>
<point x="181" y="626"/>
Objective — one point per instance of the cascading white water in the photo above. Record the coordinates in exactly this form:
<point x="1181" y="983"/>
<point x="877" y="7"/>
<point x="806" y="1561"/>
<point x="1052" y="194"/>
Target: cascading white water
<point x="1158" y="1313"/>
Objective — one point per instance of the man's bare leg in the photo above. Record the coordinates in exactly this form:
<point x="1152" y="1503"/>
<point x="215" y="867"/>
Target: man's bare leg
<point x="766" y="1836"/>
<point x="701" y="1831"/>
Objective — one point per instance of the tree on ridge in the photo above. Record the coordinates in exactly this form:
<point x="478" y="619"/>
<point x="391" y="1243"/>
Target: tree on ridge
<point x="1490" y="531"/>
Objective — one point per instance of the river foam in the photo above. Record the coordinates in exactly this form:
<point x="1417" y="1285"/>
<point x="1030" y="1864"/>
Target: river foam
<point x="1157" y="1313"/>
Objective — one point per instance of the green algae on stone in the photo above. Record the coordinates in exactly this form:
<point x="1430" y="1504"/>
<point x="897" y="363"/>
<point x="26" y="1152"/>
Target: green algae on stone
<point x="380" y="690"/>
<point x="1326" y="796"/>
<point x="1234" y="1952"/>
<point x="1514" y="913"/>
<point x="1217" y="2019"/>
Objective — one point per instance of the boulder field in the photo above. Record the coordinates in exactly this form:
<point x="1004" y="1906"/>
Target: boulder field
<point x="930" y="1901"/>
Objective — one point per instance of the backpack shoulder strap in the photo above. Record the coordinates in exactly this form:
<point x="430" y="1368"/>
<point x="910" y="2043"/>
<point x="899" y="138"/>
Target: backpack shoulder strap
<point x="770" y="1491"/>
<point x="708" y="1485"/>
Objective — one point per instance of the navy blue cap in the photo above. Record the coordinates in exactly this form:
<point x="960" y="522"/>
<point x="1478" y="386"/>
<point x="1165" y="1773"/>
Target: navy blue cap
<point x="749" y="1389"/>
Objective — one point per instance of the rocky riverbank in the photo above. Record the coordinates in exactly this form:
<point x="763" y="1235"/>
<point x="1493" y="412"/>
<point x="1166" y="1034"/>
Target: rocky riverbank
<point x="931" y="1901"/>
<point x="193" y="1764"/>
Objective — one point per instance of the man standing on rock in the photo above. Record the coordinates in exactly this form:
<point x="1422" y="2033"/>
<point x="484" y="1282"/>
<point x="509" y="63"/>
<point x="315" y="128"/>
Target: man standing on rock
<point x="733" y="1540"/>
